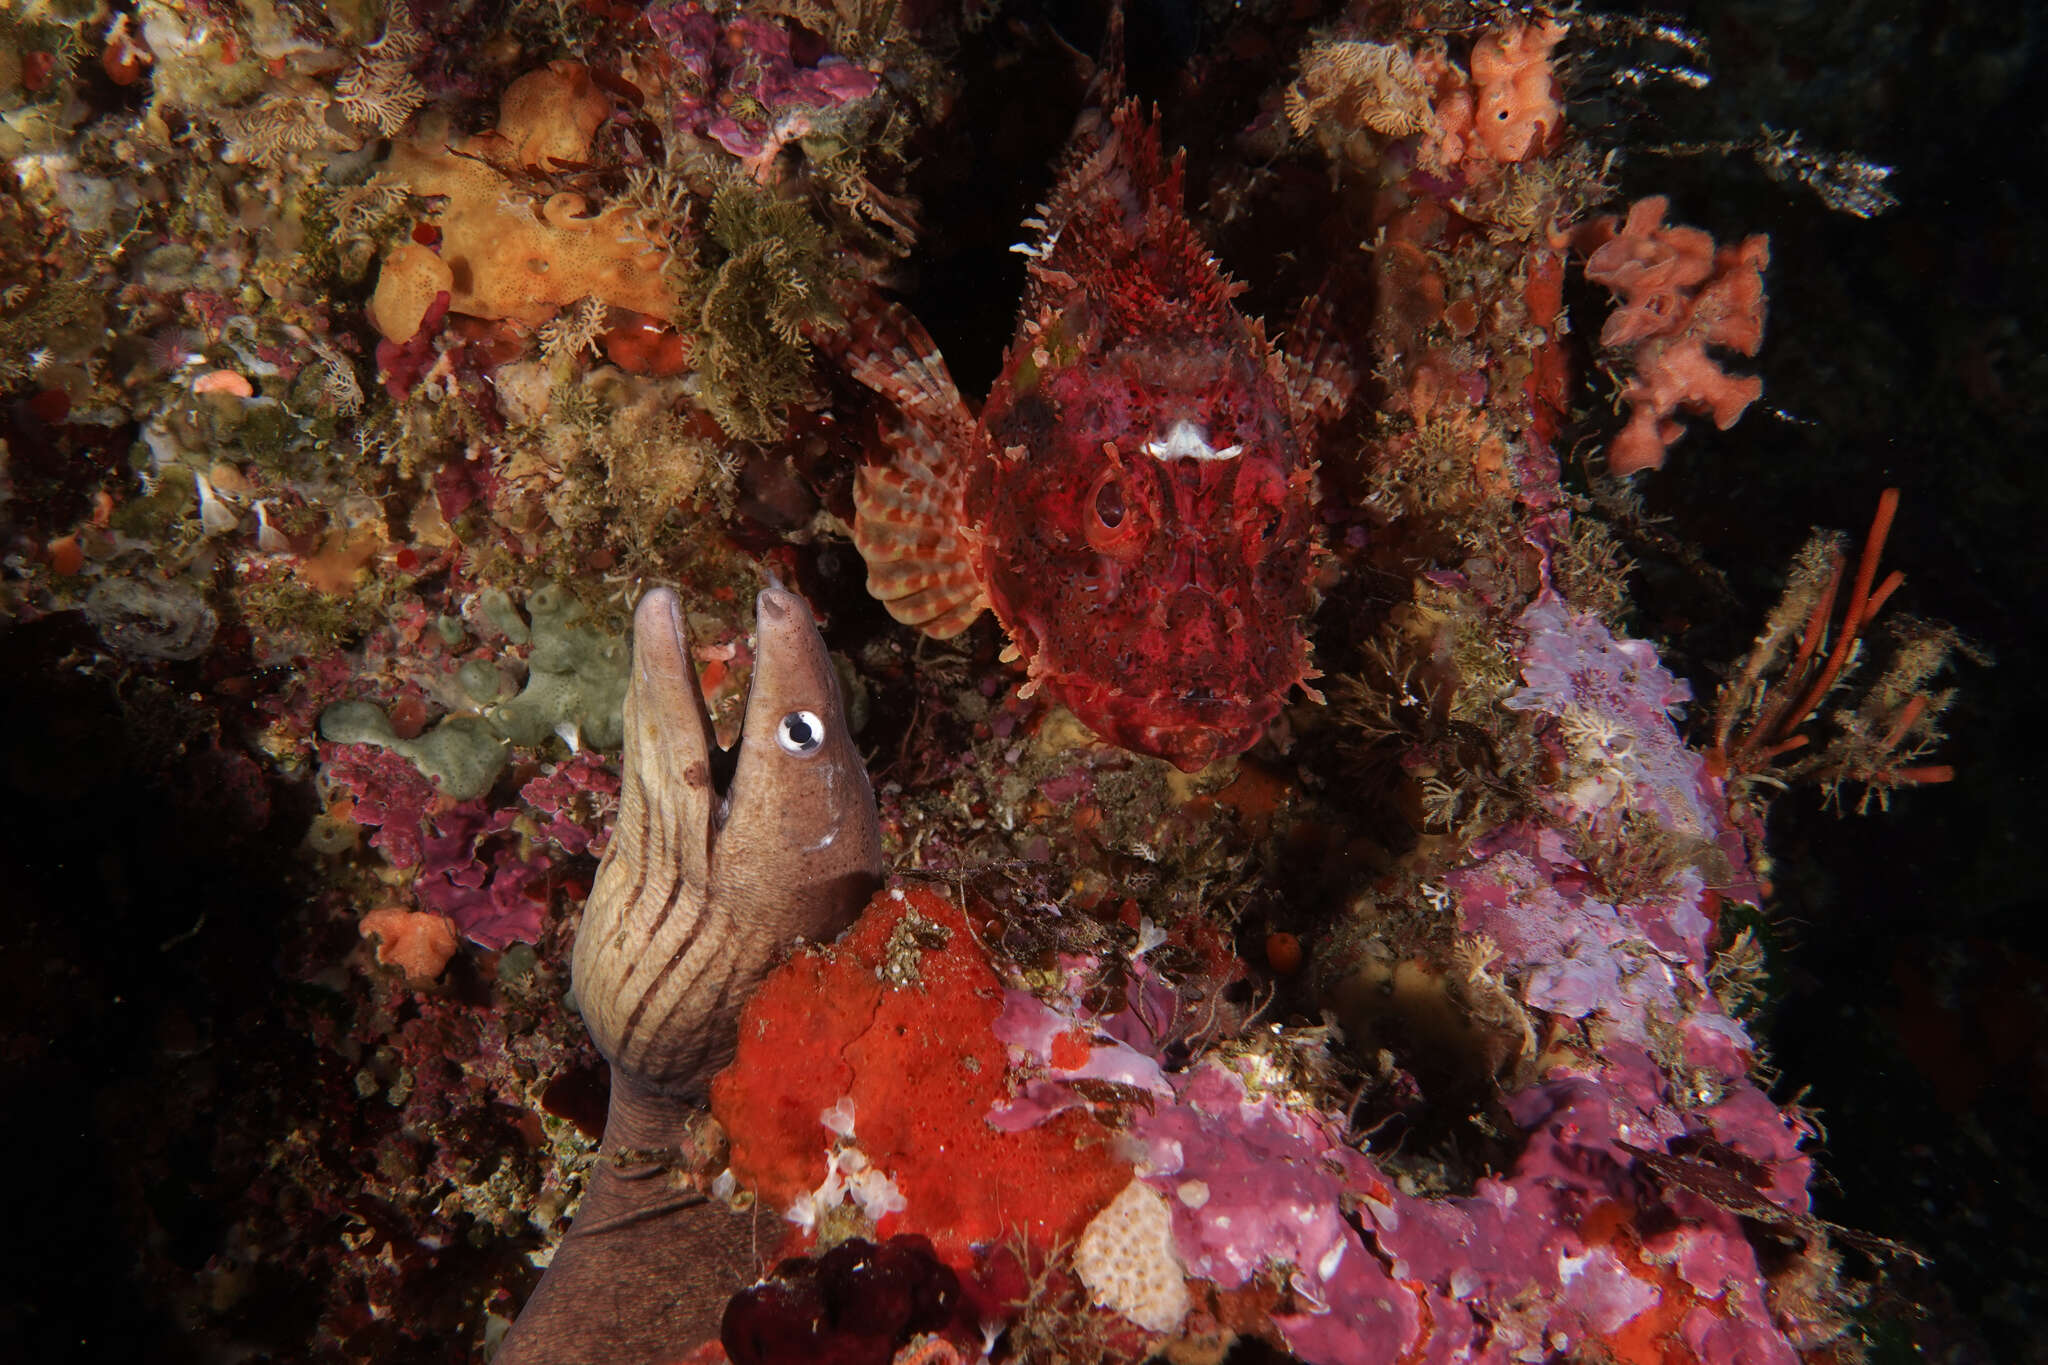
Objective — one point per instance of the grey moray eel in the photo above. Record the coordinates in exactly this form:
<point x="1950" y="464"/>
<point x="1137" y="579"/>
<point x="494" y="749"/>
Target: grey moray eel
<point x="705" y="886"/>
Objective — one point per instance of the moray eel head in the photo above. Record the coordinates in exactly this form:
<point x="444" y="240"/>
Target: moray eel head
<point x="720" y="860"/>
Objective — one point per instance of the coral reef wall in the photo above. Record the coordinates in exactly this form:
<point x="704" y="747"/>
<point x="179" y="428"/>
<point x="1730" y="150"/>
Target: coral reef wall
<point x="1523" y="985"/>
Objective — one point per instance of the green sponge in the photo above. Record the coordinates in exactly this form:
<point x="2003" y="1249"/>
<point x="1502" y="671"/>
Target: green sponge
<point x="575" y="679"/>
<point x="460" y="755"/>
<point x="575" y="687"/>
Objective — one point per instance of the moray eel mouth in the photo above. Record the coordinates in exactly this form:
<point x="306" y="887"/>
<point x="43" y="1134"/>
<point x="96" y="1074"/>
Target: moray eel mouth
<point x="720" y="859"/>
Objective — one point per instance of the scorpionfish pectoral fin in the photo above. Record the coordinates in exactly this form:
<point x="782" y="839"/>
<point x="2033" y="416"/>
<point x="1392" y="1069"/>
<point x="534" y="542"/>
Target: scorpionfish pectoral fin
<point x="910" y="521"/>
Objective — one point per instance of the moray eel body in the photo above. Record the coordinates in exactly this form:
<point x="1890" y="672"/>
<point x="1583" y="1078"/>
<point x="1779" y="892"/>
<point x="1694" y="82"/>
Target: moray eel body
<point x="706" y="885"/>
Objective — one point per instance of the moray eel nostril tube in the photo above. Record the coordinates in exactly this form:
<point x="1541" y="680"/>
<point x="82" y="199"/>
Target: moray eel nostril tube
<point x="707" y="883"/>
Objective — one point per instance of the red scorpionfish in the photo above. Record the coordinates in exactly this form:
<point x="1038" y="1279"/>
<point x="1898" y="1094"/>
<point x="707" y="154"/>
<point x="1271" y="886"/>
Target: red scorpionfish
<point x="1136" y="501"/>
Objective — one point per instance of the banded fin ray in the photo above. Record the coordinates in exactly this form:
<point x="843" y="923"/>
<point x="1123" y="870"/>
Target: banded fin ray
<point x="910" y="521"/>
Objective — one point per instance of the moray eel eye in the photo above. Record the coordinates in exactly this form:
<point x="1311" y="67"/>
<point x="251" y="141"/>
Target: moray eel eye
<point x="800" y="733"/>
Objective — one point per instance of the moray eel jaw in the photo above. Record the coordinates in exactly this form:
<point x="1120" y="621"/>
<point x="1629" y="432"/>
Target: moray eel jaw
<point x="705" y="887"/>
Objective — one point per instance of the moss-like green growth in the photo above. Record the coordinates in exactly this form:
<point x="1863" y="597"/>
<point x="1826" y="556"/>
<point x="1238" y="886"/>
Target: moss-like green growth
<point x="350" y="228"/>
<point x="284" y="606"/>
<point x="460" y="755"/>
<point x="654" y="459"/>
<point x="1747" y="973"/>
<point x="152" y="517"/>
<point x="52" y="315"/>
<point x="517" y="965"/>
<point x="356" y="21"/>
<point x="764" y="275"/>
<point x="200" y="429"/>
<point x="1591" y="568"/>
<point x="198" y="212"/>
<point x="271" y="436"/>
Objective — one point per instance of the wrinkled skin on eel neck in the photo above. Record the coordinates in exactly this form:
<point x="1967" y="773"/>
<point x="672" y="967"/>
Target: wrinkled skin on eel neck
<point x="705" y="887"/>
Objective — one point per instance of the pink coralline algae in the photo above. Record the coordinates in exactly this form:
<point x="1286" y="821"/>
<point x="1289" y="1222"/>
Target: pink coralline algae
<point x="1568" y="1251"/>
<point x="1573" y="1248"/>
<point x="742" y="84"/>
<point x="1614" y="703"/>
<point x="1618" y="1229"/>
<point x="1067" y="1043"/>
<point x="1637" y="964"/>
<point x="496" y="896"/>
<point x="573" y="803"/>
<point x="1254" y="1183"/>
<point x="485" y="868"/>
<point x="1564" y="1253"/>
<point x="390" y="796"/>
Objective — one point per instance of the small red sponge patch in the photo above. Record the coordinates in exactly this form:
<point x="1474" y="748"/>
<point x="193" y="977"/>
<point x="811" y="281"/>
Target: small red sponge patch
<point x="897" y="1019"/>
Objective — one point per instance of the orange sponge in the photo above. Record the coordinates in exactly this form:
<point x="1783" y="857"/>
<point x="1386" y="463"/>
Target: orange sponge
<point x="501" y="254"/>
<point x="1517" y="107"/>
<point x="890" y="1033"/>
<point x="1677" y="295"/>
